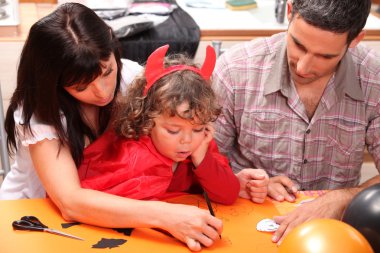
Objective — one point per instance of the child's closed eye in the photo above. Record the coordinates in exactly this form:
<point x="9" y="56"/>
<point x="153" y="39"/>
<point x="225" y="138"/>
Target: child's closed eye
<point x="199" y="130"/>
<point x="172" y="131"/>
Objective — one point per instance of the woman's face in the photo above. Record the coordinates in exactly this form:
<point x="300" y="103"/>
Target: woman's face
<point x="99" y="92"/>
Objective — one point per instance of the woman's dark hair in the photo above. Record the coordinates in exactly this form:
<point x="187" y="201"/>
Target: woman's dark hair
<point x="135" y="112"/>
<point x="337" y="16"/>
<point x="62" y="49"/>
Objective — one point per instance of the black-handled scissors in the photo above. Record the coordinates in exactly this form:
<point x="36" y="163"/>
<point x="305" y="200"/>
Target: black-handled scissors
<point x="32" y="223"/>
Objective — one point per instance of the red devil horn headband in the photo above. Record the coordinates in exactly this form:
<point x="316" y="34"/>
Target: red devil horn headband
<point x="154" y="69"/>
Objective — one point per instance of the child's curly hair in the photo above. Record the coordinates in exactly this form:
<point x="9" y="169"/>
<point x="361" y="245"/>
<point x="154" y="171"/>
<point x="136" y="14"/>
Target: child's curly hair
<point x="134" y="113"/>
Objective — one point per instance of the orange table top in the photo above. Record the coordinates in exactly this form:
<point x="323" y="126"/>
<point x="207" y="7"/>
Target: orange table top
<point x="239" y="234"/>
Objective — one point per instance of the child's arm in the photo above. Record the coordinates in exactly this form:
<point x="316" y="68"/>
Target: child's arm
<point x="59" y="176"/>
<point x="199" y="154"/>
<point x="216" y="176"/>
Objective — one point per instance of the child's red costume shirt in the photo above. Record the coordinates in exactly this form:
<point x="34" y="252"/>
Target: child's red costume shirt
<point x="135" y="169"/>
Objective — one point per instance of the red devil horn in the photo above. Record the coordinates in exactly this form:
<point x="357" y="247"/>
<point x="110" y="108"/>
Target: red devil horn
<point x="209" y="63"/>
<point x="155" y="70"/>
<point x="155" y="66"/>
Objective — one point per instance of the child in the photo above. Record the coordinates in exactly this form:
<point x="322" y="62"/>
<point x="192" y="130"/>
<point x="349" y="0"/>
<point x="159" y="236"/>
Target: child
<point x="168" y="146"/>
<point x="164" y="147"/>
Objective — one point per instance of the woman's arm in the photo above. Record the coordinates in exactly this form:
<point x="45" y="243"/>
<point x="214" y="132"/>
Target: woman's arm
<point x="59" y="176"/>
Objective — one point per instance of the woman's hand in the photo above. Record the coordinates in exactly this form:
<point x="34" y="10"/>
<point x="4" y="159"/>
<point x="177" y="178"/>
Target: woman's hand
<point x="253" y="184"/>
<point x="191" y="225"/>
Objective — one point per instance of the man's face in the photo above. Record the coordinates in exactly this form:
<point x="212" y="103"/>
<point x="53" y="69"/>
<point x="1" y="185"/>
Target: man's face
<point x="313" y="54"/>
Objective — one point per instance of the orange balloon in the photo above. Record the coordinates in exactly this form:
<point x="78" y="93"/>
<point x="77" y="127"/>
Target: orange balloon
<point x="324" y="236"/>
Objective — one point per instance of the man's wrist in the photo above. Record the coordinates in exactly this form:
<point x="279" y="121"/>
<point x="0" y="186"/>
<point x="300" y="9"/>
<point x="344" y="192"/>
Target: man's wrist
<point x="341" y="198"/>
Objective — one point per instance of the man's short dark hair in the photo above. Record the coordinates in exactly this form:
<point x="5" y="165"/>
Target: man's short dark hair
<point x="337" y="16"/>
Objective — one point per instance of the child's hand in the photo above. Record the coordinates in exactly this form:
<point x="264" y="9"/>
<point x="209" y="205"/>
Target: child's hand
<point x="253" y="184"/>
<point x="199" y="154"/>
<point x="191" y="225"/>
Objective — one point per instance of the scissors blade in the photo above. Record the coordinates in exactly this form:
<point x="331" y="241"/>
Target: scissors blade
<point x="56" y="232"/>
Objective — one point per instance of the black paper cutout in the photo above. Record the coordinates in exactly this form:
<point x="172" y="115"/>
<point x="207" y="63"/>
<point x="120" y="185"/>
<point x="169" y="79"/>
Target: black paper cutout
<point x="125" y="231"/>
<point x="69" y="224"/>
<point x="109" y="243"/>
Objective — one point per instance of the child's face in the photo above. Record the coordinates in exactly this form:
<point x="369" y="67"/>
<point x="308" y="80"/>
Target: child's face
<point x="101" y="91"/>
<point x="177" y="138"/>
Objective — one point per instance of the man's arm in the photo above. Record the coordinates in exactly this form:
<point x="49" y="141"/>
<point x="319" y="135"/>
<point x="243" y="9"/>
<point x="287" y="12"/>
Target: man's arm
<point x="333" y="203"/>
<point x="330" y="205"/>
<point x="370" y="182"/>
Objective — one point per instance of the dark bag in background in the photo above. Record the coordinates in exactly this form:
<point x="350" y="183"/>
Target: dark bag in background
<point x="179" y="31"/>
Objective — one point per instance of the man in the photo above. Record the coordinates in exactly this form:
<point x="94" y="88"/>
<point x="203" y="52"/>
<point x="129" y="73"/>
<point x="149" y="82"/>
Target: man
<point x="303" y="105"/>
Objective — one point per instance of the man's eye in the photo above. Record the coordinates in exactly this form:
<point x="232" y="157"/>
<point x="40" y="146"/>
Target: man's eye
<point x="300" y="47"/>
<point x="327" y="57"/>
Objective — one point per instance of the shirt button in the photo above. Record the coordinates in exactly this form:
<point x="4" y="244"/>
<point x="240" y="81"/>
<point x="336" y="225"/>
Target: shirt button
<point x="305" y="161"/>
<point x="308" y="131"/>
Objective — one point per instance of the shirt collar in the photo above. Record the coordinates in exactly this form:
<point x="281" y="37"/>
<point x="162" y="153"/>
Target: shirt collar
<point x="346" y="80"/>
<point x="345" y="76"/>
<point x="278" y="76"/>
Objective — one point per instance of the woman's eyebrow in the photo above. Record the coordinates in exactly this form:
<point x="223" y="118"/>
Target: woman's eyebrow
<point x="107" y="69"/>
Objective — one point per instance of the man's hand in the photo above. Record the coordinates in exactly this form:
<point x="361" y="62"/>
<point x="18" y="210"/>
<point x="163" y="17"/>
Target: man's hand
<point x="331" y="205"/>
<point x="253" y="184"/>
<point x="281" y="188"/>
